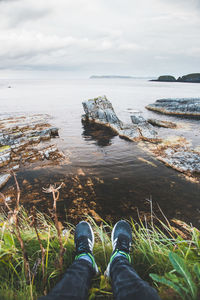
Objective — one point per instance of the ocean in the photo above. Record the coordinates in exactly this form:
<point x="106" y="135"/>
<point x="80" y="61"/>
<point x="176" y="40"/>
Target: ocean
<point x="122" y="185"/>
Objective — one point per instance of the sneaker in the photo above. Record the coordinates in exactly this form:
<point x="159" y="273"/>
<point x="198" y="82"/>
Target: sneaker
<point x="84" y="242"/>
<point x="121" y="238"/>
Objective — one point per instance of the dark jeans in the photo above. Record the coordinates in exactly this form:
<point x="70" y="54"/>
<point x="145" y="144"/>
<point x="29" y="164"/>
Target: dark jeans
<point x="126" y="283"/>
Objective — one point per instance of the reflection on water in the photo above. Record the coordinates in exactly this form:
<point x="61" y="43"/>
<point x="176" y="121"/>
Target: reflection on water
<point x="101" y="135"/>
<point x="106" y="176"/>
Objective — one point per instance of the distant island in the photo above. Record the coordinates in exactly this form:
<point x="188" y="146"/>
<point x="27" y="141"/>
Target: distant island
<point x="194" y="78"/>
<point x="117" y="76"/>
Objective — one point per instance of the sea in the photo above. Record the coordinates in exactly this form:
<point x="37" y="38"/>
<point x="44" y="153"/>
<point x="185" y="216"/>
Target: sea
<point x="117" y="178"/>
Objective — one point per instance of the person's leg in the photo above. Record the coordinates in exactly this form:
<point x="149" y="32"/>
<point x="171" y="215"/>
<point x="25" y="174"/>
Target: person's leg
<point x="126" y="283"/>
<point x="76" y="282"/>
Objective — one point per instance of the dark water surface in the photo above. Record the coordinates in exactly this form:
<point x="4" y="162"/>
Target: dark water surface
<point x="105" y="175"/>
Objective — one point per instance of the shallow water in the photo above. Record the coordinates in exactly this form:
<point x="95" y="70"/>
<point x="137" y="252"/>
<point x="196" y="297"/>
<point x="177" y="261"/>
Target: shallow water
<point x="106" y="174"/>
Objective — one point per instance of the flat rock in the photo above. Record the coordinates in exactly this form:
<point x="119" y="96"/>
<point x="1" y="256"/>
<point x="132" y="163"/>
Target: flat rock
<point x="146" y="130"/>
<point x="178" y="106"/>
<point x="4" y="179"/>
<point x="183" y="160"/>
<point x="100" y="110"/>
<point x="161" y="123"/>
<point x="176" y="153"/>
<point x="4" y="158"/>
<point x="19" y="136"/>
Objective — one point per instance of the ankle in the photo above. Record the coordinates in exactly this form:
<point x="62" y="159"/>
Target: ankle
<point x="119" y="253"/>
<point x="86" y="256"/>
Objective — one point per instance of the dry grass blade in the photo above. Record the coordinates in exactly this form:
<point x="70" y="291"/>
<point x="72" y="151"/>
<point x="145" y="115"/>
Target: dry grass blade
<point x="55" y="192"/>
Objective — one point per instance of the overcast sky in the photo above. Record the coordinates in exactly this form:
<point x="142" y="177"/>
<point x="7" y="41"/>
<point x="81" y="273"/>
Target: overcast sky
<point x="85" y="37"/>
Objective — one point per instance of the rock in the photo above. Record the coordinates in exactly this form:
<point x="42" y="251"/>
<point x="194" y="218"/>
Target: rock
<point x="183" y="160"/>
<point x="176" y="153"/>
<point x="195" y="77"/>
<point x="53" y="131"/>
<point x="4" y="179"/>
<point x="15" y="168"/>
<point x="19" y="137"/>
<point x="161" y="123"/>
<point x="177" y="106"/>
<point x="166" y="78"/>
<point x="4" y="158"/>
<point x="146" y="130"/>
<point x="100" y="110"/>
<point x="130" y="132"/>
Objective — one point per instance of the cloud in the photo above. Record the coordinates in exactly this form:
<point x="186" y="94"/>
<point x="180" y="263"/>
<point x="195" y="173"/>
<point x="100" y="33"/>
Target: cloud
<point x="16" y="12"/>
<point x="100" y="35"/>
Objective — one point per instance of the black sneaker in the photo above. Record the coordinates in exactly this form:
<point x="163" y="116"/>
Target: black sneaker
<point x="121" y="238"/>
<point x="84" y="242"/>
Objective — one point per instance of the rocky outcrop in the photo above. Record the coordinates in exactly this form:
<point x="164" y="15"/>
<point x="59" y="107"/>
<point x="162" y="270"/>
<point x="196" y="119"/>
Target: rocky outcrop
<point x="161" y="123"/>
<point x="165" y="78"/>
<point x="179" y="106"/>
<point x="195" y="77"/>
<point x="100" y="110"/>
<point x="176" y="153"/>
<point x="21" y="142"/>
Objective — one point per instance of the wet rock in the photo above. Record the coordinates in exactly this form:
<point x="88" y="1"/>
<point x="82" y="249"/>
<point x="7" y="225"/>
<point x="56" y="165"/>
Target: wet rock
<point x="4" y="179"/>
<point x="18" y="137"/>
<point x="146" y="130"/>
<point x="100" y="110"/>
<point x="47" y="153"/>
<point x="176" y="153"/>
<point x="130" y="132"/>
<point x="161" y="123"/>
<point x="183" y="160"/>
<point x="182" y="106"/>
<point x="4" y="158"/>
<point x="15" y="168"/>
<point x="53" y="131"/>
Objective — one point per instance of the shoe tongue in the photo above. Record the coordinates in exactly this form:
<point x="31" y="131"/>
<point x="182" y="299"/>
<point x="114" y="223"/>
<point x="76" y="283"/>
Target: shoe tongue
<point x="82" y="245"/>
<point x="123" y="243"/>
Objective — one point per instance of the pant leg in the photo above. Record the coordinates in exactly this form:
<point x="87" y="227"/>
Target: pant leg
<point x="75" y="284"/>
<point x="126" y="283"/>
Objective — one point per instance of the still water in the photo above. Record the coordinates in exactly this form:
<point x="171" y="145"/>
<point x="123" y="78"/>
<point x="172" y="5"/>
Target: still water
<point x="106" y="175"/>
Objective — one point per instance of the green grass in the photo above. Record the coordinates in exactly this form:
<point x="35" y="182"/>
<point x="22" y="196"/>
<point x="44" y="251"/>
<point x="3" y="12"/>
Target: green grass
<point x="152" y="247"/>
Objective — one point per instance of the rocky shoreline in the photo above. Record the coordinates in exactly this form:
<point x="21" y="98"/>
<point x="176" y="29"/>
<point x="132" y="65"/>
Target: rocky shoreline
<point x="26" y="140"/>
<point x="175" y="153"/>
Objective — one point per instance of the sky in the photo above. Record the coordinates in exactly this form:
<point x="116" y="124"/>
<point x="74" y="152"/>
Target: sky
<point x="102" y="37"/>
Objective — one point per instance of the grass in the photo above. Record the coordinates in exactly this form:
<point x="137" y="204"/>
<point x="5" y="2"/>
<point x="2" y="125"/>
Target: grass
<point x="35" y="251"/>
<point x="152" y="245"/>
